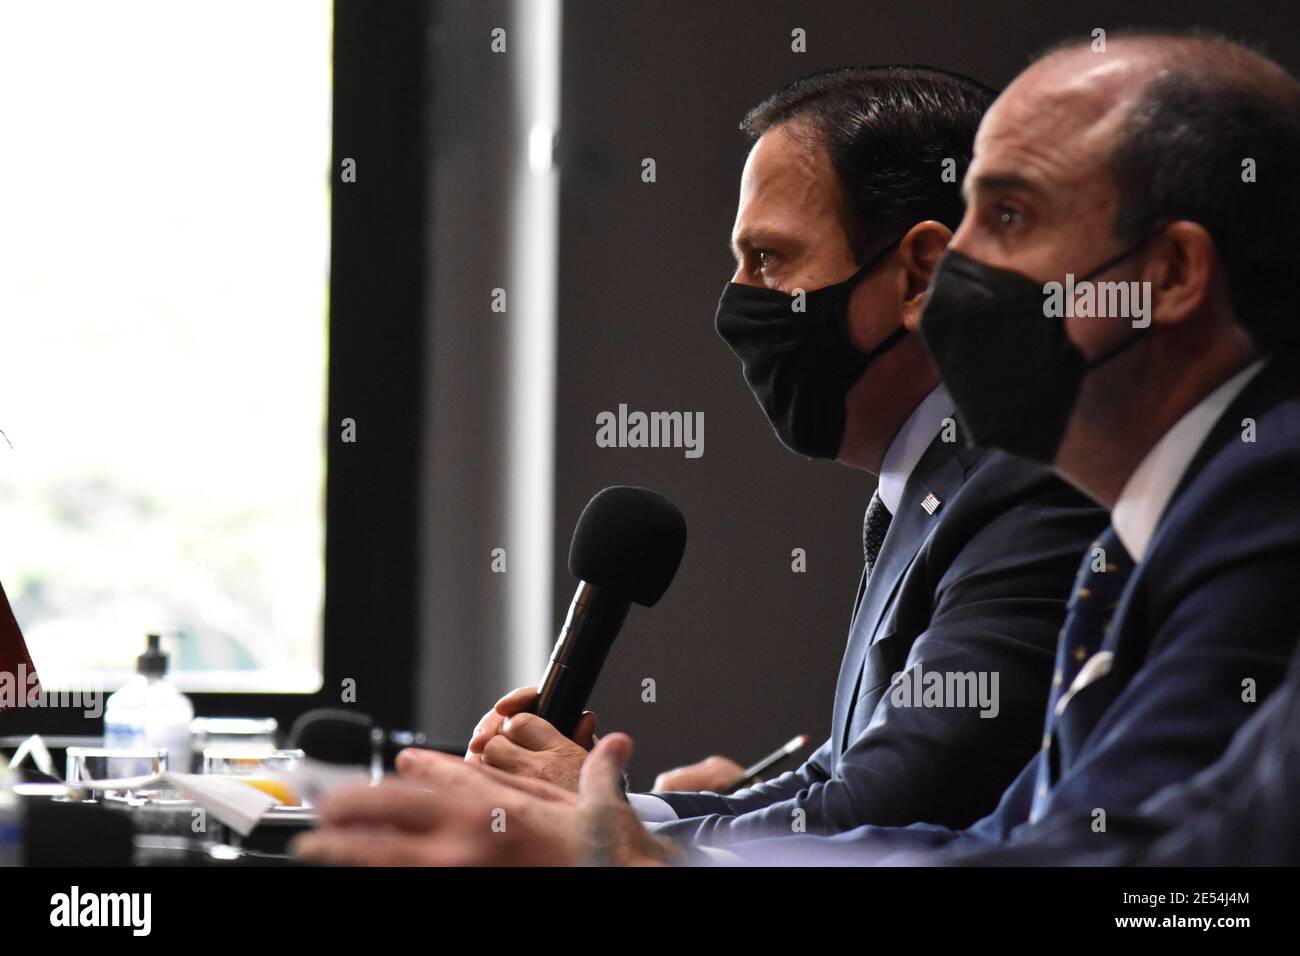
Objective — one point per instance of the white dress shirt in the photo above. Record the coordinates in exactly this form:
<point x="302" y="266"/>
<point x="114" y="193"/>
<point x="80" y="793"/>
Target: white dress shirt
<point x="910" y="443"/>
<point x="1147" y="492"/>
<point x="904" y="451"/>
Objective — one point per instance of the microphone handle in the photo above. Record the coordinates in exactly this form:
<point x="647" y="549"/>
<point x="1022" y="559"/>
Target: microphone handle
<point x="594" y="619"/>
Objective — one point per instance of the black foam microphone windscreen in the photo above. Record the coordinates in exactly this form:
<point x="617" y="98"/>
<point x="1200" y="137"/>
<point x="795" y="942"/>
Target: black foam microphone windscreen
<point x="333" y="735"/>
<point x="629" y="540"/>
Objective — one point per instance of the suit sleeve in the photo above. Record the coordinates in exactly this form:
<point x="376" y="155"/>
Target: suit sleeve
<point x="784" y="787"/>
<point x="1243" y="811"/>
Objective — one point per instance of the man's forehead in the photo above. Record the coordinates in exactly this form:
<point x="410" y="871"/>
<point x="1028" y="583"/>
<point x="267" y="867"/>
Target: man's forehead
<point x="785" y="158"/>
<point x="1059" y="119"/>
<point x="784" y="175"/>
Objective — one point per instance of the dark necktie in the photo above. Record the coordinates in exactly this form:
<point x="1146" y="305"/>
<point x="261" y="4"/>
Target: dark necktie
<point x="1105" y="570"/>
<point x="874" y="528"/>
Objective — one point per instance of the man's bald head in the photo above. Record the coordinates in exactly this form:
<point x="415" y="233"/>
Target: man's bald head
<point x="1200" y="128"/>
<point x="1200" y="52"/>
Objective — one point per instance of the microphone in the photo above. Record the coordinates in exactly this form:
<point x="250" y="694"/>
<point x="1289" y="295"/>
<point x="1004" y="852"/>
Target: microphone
<point x="626" y="548"/>
<point x="334" y="735"/>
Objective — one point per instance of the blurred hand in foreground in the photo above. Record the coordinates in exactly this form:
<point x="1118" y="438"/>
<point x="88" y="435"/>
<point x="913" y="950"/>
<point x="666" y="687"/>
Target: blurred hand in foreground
<point x="443" y="811"/>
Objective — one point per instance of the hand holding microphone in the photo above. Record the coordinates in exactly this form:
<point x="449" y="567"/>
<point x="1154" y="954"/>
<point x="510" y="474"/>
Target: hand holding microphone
<point x="626" y="548"/>
<point x="511" y="737"/>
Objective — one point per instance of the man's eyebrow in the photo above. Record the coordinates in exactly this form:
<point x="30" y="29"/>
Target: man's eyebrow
<point x="754" y="239"/>
<point x="999" y="183"/>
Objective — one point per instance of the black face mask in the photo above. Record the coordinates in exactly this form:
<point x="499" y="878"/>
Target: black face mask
<point x="1013" y="373"/>
<point x="800" y="365"/>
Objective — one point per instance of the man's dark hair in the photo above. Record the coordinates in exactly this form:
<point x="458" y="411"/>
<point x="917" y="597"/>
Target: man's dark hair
<point x="888" y="131"/>
<point x="1183" y="154"/>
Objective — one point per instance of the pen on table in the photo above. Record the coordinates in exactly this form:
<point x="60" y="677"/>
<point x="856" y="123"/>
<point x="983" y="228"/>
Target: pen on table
<point x="791" y="746"/>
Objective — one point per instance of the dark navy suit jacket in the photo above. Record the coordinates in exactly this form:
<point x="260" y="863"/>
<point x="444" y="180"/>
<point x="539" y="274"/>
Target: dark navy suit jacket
<point x="1241" y="811"/>
<point x="1212" y="610"/>
<point x="978" y="586"/>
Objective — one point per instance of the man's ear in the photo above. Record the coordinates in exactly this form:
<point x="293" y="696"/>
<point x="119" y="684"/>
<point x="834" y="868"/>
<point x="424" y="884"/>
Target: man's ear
<point x="1181" y="268"/>
<point x="920" y="251"/>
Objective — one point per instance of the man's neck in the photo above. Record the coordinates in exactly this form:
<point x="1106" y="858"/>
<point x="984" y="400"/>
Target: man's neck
<point x="882" y="400"/>
<point x="1123" y="415"/>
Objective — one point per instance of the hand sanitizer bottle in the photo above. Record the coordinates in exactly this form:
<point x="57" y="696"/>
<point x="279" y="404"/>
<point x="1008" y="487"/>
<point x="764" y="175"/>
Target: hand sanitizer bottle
<point x="150" y="712"/>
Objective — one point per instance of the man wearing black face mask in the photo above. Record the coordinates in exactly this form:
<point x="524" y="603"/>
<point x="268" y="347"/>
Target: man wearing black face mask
<point x="844" y="210"/>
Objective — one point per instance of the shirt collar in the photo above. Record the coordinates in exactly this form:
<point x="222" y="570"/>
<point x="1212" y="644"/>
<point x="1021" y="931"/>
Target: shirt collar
<point x="1147" y="492"/>
<point x="907" y="447"/>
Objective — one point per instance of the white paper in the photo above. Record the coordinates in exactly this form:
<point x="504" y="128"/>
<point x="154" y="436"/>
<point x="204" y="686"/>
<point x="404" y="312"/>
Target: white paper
<point x="239" y="805"/>
<point x="235" y="804"/>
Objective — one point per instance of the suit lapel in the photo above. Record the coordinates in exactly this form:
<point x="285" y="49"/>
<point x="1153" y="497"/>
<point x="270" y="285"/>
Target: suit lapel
<point x="937" y="477"/>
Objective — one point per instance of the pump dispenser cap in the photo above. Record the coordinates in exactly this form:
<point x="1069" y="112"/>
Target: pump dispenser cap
<point x="153" y="662"/>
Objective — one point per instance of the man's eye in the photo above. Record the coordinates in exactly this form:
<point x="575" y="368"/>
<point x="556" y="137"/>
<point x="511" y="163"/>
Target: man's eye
<point x="765" y="258"/>
<point x="1005" y="214"/>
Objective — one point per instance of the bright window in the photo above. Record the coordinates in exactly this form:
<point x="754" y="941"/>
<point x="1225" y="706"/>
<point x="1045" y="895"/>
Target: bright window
<point x="164" y="247"/>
